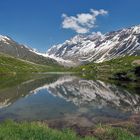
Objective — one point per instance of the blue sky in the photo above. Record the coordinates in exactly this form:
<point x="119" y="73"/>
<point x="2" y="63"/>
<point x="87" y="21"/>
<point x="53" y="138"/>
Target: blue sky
<point x="39" y="23"/>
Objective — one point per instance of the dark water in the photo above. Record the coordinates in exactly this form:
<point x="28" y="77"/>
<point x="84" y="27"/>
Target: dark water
<point x="67" y="99"/>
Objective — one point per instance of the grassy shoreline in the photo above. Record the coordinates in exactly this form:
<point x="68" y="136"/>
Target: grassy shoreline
<point x="40" y="131"/>
<point x="121" y="69"/>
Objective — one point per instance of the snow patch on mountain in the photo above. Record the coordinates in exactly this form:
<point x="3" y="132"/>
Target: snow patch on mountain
<point x="5" y="39"/>
<point x="61" y="61"/>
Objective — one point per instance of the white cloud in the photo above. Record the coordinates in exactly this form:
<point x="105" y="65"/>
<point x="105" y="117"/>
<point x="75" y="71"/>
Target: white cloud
<point x="82" y="23"/>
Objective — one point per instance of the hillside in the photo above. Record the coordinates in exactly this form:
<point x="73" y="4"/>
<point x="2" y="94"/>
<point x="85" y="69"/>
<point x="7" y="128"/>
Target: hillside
<point x="12" y="48"/>
<point x="124" y="68"/>
<point x="11" y="65"/>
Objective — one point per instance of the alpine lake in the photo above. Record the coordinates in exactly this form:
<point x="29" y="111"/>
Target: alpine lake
<point x="65" y="100"/>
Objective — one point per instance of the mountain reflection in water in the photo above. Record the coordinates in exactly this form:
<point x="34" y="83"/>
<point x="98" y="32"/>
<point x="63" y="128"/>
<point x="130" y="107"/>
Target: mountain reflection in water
<point x="65" y="97"/>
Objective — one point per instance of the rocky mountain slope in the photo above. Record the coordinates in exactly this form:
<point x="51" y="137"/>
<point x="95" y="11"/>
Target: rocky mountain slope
<point x="98" y="47"/>
<point x="12" y="48"/>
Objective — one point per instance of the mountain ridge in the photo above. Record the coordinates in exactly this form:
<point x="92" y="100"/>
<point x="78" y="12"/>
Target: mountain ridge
<point x="10" y="47"/>
<point x="98" y="47"/>
<point x="80" y="49"/>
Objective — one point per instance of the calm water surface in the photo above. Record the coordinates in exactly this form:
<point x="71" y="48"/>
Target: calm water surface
<point x="68" y="99"/>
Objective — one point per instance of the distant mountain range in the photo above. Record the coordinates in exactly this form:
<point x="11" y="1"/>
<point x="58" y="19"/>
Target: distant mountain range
<point x="80" y="49"/>
<point x="97" y="47"/>
<point x="10" y="47"/>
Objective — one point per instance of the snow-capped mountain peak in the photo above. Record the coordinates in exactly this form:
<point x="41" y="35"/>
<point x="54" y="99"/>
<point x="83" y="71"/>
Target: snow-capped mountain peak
<point x="98" y="47"/>
<point x="5" y="39"/>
